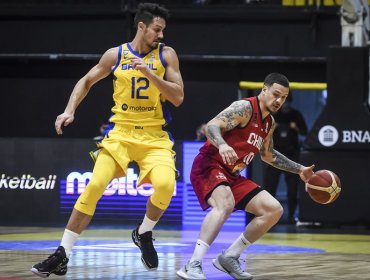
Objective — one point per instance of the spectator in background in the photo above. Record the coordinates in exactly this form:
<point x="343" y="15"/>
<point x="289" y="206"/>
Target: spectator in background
<point x="201" y="133"/>
<point x="289" y="125"/>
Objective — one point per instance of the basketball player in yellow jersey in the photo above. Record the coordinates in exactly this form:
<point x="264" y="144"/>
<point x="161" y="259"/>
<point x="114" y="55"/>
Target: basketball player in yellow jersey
<point x="146" y="74"/>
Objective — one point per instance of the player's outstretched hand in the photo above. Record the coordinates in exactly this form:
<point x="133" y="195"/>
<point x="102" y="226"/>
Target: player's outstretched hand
<point x="306" y="173"/>
<point x="63" y="120"/>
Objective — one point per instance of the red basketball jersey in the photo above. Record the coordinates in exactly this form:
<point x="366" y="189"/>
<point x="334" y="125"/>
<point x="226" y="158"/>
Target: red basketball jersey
<point x="246" y="141"/>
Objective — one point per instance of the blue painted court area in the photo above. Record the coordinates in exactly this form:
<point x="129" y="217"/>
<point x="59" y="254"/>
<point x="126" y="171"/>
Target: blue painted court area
<point x="164" y="247"/>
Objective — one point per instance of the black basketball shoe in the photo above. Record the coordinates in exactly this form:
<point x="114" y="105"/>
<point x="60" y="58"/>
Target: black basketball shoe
<point x="55" y="263"/>
<point x="144" y="241"/>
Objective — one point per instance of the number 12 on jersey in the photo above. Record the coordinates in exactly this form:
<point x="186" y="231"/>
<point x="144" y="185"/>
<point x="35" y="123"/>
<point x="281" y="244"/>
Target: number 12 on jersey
<point x="138" y="87"/>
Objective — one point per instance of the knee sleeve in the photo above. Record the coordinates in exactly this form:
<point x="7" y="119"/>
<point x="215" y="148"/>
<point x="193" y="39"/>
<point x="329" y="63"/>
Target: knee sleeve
<point x="86" y="203"/>
<point x="163" y="181"/>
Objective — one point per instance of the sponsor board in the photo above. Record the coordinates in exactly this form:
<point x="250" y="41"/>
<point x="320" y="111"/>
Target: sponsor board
<point x="27" y="182"/>
<point x="76" y="182"/>
<point x="329" y="135"/>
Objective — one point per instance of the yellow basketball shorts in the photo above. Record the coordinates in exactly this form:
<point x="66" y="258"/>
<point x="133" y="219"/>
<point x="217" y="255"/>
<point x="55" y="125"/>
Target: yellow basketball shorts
<point x="148" y="147"/>
<point x="151" y="149"/>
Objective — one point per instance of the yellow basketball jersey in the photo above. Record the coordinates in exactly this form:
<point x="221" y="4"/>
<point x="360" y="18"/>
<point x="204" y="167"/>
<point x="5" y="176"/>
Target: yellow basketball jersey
<point x="137" y="101"/>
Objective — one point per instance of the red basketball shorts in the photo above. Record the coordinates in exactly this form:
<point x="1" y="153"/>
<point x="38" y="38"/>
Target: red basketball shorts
<point x="207" y="174"/>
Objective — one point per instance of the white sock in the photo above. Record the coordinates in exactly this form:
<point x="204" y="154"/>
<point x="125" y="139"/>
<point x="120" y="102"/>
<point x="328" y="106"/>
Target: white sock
<point x="238" y="247"/>
<point x="147" y="225"/>
<point x="68" y="240"/>
<point x="200" y="250"/>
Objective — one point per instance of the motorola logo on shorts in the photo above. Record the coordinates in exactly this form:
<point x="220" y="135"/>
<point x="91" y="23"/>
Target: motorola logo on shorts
<point x="328" y="135"/>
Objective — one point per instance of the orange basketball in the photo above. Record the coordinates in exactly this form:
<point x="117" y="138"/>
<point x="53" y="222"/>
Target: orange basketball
<point x="324" y="186"/>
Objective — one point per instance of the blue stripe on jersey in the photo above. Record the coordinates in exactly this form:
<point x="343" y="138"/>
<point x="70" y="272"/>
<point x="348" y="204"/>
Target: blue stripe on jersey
<point x="119" y="58"/>
<point x="161" y="55"/>
<point x="166" y="113"/>
<point x="135" y="52"/>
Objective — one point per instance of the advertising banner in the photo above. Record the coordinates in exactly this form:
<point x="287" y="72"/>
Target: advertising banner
<point x="344" y="123"/>
<point x="40" y="180"/>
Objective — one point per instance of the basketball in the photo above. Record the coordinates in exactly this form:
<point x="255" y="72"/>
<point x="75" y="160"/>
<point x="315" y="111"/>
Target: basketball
<point x="324" y="187"/>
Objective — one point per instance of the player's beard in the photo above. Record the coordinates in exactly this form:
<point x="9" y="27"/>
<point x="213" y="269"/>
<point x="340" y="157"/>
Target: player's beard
<point x="155" y="44"/>
<point x="152" y="44"/>
<point x="273" y="108"/>
<point x="272" y="112"/>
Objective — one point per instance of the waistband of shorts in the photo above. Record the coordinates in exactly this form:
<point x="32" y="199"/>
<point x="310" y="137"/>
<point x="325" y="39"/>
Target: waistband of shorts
<point x="139" y="127"/>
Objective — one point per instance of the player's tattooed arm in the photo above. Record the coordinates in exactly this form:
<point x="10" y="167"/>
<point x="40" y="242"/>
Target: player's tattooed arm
<point x="214" y="134"/>
<point x="237" y="114"/>
<point x="282" y="162"/>
<point x="275" y="158"/>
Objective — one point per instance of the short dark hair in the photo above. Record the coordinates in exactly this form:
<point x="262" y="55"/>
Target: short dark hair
<point x="276" y="78"/>
<point x="146" y="12"/>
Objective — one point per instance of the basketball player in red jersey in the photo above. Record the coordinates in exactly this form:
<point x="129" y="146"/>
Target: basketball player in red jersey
<point x="235" y="136"/>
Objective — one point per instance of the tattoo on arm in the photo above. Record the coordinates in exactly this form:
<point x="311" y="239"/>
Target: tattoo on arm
<point x="214" y="133"/>
<point x="282" y="162"/>
<point x="231" y="115"/>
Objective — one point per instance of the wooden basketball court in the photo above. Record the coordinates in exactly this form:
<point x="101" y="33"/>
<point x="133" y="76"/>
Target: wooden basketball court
<point x="110" y="254"/>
